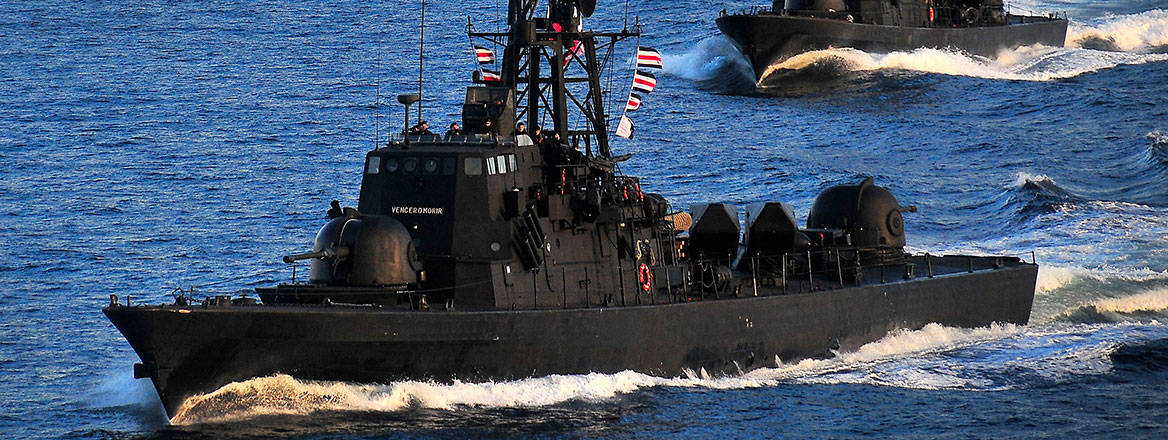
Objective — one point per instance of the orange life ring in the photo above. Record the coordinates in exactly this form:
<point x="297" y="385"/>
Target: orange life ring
<point x="644" y="277"/>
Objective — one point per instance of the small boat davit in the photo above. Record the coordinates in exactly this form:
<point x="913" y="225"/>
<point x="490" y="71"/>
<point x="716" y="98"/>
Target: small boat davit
<point x="497" y="253"/>
<point x="768" y="36"/>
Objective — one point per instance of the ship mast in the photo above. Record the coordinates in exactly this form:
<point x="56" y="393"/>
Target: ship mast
<point x="554" y="67"/>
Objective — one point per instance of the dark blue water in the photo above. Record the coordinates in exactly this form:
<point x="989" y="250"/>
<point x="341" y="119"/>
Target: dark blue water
<point x="150" y="146"/>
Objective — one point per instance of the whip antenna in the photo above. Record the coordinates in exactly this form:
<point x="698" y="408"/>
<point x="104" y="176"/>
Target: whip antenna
<point x="421" y="58"/>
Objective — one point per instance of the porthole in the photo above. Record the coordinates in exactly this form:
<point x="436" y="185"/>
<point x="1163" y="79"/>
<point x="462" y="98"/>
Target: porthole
<point x="410" y="164"/>
<point x="430" y="166"/>
<point x="391" y="165"/>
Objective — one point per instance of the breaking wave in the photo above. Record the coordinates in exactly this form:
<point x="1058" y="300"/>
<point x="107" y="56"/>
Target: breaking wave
<point x="1151" y="303"/>
<point x="1028" y="63"/>
<point x="1143" y="32"/>
<point x="998" y="357"/>
<point x="1157" y="153"/>
<point x="1032" y="195"/>
<point x="1052" y="278"/>
<point x="284" y="395"/>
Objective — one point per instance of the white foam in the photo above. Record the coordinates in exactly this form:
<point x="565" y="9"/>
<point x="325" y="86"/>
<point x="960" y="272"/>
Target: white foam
<point x="282" y="394"/>
<point x="1028" y="63"/>
<point x="1155" y="300"/>
<point x="1025" y="177"/>
<point x="1052" y="277"/>
<point x="707" y="60"/>
<point x="1129" y="33"/>
<point x="1158" y="138"/>
<point x="119" y="388"/>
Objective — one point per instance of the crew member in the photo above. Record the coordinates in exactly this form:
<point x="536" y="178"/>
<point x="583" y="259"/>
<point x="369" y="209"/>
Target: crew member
<point x="521" y="128"/>
<point x="421" y="128"/>
<point x="454" y="130"/>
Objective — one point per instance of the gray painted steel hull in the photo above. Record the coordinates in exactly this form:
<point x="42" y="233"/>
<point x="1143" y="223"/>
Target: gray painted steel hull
<point x="769" y="39"/>
<point x="194" y="349"/>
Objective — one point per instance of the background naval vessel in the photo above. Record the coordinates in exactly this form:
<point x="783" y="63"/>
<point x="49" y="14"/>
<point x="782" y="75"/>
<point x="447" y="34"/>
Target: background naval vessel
<point x="767" y="36"/>
<point x="493" y="254"/>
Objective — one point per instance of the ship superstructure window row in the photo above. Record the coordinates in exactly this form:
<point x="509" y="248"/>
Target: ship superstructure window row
<point x="414" y="165"/>
<point x="502" y="164"/>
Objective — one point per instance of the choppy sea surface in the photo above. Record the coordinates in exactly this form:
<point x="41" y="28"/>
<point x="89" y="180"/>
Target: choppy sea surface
<point x="146" y="146"/>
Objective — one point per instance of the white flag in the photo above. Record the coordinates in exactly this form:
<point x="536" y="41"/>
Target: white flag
<point x="625" y="128"/>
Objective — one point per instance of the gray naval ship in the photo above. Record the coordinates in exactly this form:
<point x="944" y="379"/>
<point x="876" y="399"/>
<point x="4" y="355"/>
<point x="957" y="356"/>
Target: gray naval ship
<point x="768" y="36"/>
<point x="492" y="255"/>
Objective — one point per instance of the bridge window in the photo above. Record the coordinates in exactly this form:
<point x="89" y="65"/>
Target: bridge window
<point x="374" y="165"/>
<point x="514" y="165"/>
<point x="491" y="170"/>
<point x="391" y="165"/>
<point x="502" y="159"/>
<point x="430" y="165"/>
<point x="410" y="164"/>
<point x="472" y="166"/>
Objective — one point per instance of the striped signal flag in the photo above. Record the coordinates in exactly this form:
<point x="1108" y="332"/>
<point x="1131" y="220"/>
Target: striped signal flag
<point x="625" y="128"/>
<point x="649" y="57"/>
<point x="484" y="55"/>
<point x="634" y="102"/>
<point x="490" y="75"/>
<point x="644" y="82"/>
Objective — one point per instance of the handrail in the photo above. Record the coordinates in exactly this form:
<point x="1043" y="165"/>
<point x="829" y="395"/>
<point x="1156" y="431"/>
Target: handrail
<point x="399" y="140"/>
<point x="797" y="272"/>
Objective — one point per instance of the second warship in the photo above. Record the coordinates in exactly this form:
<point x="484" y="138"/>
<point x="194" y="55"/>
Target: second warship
<point x="496" y="255"/>
<point x="768" y="36"/>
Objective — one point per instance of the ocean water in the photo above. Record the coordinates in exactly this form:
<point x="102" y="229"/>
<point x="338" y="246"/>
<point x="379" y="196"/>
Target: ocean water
<point x="147" y="146"/>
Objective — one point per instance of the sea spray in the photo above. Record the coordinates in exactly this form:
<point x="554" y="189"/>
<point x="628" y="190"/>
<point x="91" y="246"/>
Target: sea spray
<point x="1149" y="301"/>
<point x="1129" y="33"/>
<point x="1027" y="63"/>
<point x="283" y="394"/>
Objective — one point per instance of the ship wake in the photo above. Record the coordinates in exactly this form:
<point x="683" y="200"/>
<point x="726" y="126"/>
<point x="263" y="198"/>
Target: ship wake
<point x="1029" y="63"/>
<point x="990" y="358"/>
<point x="1102" y="44"/>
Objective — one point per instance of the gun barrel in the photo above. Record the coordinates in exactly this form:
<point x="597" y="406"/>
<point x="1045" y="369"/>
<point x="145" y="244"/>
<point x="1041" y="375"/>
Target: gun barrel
<point x="305" y="256"/>
<point x="324" y="254"/>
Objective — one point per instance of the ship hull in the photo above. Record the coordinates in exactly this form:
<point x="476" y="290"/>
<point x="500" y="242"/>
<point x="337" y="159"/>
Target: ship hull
<point x="194" y="349"/>
<point x="768" y="40"/>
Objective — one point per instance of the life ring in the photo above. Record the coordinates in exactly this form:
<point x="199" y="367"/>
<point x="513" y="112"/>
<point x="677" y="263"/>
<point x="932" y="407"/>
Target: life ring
<point x="644" y="277"/>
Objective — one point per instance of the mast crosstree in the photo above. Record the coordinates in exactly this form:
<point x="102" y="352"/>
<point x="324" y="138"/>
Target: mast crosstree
<point x="555" y="68"/>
